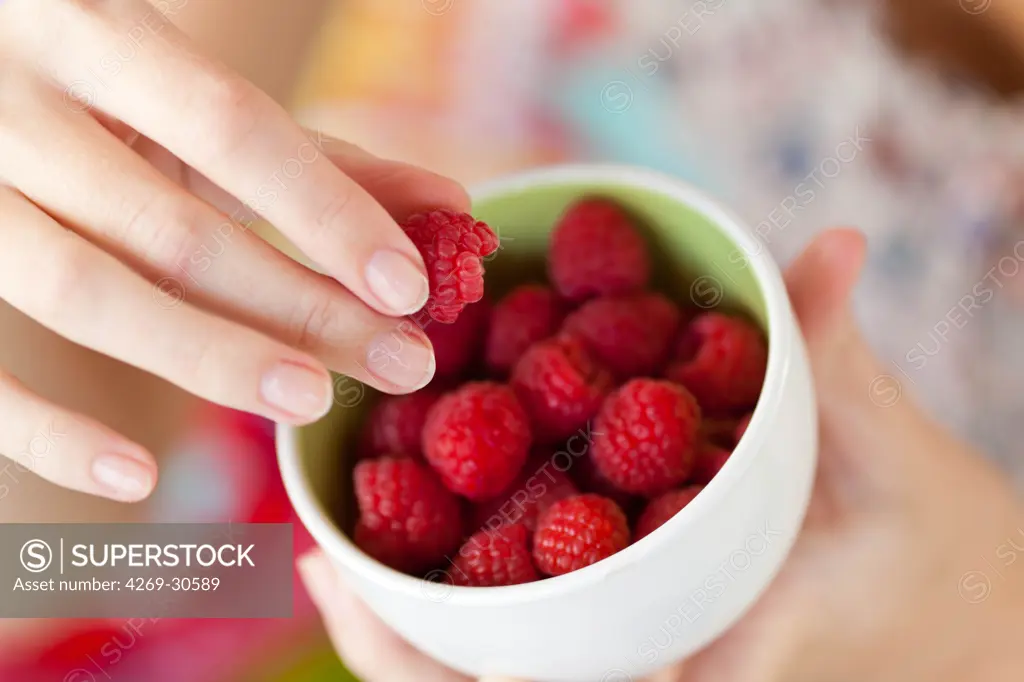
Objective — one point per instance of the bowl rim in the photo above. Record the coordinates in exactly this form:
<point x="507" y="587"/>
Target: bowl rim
<point x="780" y="334"/>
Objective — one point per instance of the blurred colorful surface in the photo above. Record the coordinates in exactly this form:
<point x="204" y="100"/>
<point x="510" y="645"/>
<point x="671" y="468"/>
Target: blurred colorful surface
<point x="794" y="112"/>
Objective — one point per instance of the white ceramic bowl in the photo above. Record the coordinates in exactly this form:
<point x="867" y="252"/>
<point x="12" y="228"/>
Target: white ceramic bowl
<point x="678" y="589"/>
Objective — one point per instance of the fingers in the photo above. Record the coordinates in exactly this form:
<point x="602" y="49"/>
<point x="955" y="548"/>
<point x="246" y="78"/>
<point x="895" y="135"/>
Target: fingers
<point x="241" y="140"/>
<point x="371" y="650"/>
<point x="134" y="211"/>
<point x="89" y="297"/>
<point x="401" y="188"/>
<point x="68" y="449"/>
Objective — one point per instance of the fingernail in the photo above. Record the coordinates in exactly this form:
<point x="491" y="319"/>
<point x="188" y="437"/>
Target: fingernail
<point x="397" y="282"/>
<point x="402" y="357"/>
<point x="124" y="476"/>
<point x="298" y="390"/>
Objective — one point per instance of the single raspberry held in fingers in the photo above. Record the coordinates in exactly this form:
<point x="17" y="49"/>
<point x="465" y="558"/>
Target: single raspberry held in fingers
<point x="645" y="436"/>
<point x="577" y="532"/>
<point x="492" y="558"/>
<point x="721" y="360"/>
<point x="457" y="345"/>
<point x="741" y="428"/>
<point x="631" y="335"/>
<point x="597" y="251"/>
<point x="528" y="314"/>
<point x="662" y="508"/>
<point x="710" y="460"/>
<point x="561" y="387"/>
<point x="453" y="246"/>
<point x="407" y="519"/>
<point x="477" y="438"/>
<point x="538" y="487"/>
<point x="395" y="424"/>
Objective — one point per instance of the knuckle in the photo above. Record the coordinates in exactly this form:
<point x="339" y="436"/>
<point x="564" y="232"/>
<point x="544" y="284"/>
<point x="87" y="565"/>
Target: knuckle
<point x="165" y="231"/>
<point x="315" y="319"/>
<point x="229" y="108"/>
<point x="69" y="282"/>
<point x="334" y="214"/>
<point x="194" y="363"/>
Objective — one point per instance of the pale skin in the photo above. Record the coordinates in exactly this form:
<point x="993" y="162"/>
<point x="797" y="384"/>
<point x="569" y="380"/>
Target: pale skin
<point x="883" y="583"/>
<point x="109" y="188"/>
<point x="135" y="243"/>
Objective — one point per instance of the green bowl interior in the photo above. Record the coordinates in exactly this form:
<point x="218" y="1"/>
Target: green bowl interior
<point x="685" y="246"/>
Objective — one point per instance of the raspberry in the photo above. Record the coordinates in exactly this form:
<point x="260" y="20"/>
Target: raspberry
<point x="662" y="508"/>
<point x="492" y="558"/>
<point x="741" y="428"/>
<point x="407" y="519"/>
<point x="395" y="425"/>
<point x="590" y="480"/>
<point x="710" y="460"/>
<point x="631" y="335"/>
<point x="720" y="431"/>
<point x="457" y="345"/>
<point x="560" y="386"/>
<point x="645" y="435"/>
<point x="577" y="532"/>
<point x="453" y="246"/>
<point x="538" y="487"/>
<point x="721" y="360"/>
<point x="528" y="314"/>
<point x="596" y="251"/>
<point x="477" y="439"/>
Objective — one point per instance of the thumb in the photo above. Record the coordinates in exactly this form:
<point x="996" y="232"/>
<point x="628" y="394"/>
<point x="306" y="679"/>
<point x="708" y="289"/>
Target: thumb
<point x="875" y="440"/>
<point x="820" y="283"/>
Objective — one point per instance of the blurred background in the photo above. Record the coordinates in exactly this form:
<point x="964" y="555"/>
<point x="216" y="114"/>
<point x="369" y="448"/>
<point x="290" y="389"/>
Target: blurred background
<point x="903" y="118"/>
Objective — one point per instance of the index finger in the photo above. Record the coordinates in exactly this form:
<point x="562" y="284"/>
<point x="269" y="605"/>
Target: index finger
<point x="239" y="138"/>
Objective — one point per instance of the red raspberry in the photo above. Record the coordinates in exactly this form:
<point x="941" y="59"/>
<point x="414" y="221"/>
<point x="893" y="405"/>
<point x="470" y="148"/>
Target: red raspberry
<point x="395" y="425"/>
<point x="492" y="558"/>
<point x="457" y="345"/>
<point x="720" y="431"/>
<point x="538" y="487"/>
<point x="710" y="460"/>
<point x="407" y="519"/>
<point x="741" y="428"/>
<point x="596" y="251"/>
<point x="590" y="480"/>
<point x="477" y="438"/>
<point x="560" y="386"/>
<point x="528" y="314"/>
<point x="577" y="532"/>
<point x="453" y="246"/>
<point x="631" y="335"/>
<point x="662" y="508"/>
<point x="645" y="436"/>
<point x="721" y="360"/>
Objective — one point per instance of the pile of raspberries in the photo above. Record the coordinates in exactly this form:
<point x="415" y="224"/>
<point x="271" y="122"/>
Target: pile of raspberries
<point x="565" y="421"/>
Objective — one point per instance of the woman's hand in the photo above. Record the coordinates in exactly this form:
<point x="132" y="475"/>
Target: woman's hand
<point x="130" y="169"/>
<point x="906" y="568"/>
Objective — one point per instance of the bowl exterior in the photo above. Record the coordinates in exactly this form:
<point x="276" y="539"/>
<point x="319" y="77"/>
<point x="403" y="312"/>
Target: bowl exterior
<point x="659" y="600"/>
<point x="703" y="570"/>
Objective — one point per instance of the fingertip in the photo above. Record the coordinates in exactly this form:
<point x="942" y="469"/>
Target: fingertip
<point x="821" y="279"/>
<point x="845" y="248"/>
<point x="317" y="575"/>
<point x="125" y="476"/>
